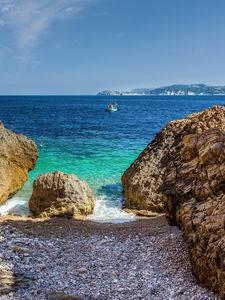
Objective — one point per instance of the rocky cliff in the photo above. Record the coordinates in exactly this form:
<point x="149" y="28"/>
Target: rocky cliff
<point x="143" y="178"/>
<point x="18" y="155"/>
<point x="194" y="185"/>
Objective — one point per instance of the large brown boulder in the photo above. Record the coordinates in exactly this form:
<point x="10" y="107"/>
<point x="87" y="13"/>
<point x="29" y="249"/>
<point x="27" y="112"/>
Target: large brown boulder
<point x="60" y="194"/>
<point x="194" y="186"/>
<point x="143" y="178"/>
<point x="18" y="155"/>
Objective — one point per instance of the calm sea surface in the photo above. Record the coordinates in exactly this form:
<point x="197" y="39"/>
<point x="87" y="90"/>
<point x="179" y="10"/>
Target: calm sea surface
<point x="80" y="137"/>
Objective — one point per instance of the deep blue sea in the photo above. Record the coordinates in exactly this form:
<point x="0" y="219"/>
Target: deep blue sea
<point x="80" y="137"/>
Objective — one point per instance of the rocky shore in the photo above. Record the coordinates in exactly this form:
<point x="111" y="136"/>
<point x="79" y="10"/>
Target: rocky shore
<point x="50" y="259"/>
<point x="53" y="256"/>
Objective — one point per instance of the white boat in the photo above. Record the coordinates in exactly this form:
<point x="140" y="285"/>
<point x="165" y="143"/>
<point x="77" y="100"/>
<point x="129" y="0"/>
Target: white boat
<point x="112" y="107"/>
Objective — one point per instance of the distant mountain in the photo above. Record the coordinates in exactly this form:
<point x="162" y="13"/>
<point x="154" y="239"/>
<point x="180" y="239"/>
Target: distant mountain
<point x="109" y="93"/>
<point x="171" y="90"/>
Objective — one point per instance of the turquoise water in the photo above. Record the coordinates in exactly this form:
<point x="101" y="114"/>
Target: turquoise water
<point x="80" y="137"/>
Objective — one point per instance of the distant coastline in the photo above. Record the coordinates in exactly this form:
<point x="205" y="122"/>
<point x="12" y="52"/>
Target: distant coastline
<point x="171" y="90"/>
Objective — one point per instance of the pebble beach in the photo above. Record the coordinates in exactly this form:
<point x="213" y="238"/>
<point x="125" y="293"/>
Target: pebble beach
<point x="71" y="259"/>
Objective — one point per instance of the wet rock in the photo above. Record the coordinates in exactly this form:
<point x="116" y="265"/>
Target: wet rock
<point x="19" y="250"/>
<point x="18" y="155"/>
<point x="82" y="270"/>
<point x="61" y="296"/>
<point x="60" y="194"/>
<point x="141" y="213"/>
<point x="143" y="178"/>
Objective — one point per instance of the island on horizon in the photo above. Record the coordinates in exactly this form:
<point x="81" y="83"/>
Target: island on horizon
<point x="170" y="90"/>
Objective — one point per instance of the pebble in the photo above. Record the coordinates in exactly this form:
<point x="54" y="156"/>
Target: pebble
<point x="81" y="270"/>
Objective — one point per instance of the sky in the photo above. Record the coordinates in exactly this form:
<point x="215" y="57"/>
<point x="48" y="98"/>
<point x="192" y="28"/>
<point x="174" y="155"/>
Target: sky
<point x="70" y="47"/>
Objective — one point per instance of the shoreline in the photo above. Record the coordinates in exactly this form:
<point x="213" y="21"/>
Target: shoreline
<point x="82" y="225"/>
<point x="138" y="216"/>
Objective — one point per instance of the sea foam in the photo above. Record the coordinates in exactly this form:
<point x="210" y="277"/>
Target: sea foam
<point x="105" y="211"/>
<point x="108" y="211"/>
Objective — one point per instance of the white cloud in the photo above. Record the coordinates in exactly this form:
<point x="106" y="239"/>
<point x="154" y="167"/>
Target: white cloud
<point x="29" y="19"/>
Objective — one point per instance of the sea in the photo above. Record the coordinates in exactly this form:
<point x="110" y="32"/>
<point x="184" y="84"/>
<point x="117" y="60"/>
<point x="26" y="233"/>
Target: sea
<point x="75" y="134"/>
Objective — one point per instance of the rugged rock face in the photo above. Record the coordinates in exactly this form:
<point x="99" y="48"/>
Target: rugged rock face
<point x="60" y="194"/>
<point x="143" y="178"/>
<point x="194" y="185"/>
<point x="18" y="155"/>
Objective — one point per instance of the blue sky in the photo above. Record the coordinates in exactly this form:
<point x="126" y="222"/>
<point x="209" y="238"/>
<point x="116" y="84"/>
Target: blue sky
<point x="84" y="46"/>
